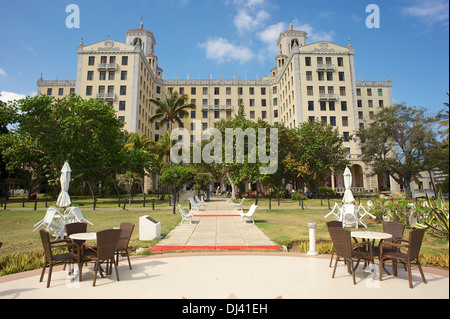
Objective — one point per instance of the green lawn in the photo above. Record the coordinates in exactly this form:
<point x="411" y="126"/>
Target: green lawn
<point x="283" y="224"/>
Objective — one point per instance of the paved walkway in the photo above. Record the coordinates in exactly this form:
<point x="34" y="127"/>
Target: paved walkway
<point x="217" y="226"/>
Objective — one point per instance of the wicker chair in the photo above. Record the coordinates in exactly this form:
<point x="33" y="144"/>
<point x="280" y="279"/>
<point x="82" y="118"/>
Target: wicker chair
<point x="396" y="229"/>
<point x="338" y="224"/>
<point x="107" y="241"/>
<point x="75" y="228"/>
<point x="122" y="247"/>
<point x="342" y="243"/>
<point x="394" y="253"/>
<point x="51" y="259"/>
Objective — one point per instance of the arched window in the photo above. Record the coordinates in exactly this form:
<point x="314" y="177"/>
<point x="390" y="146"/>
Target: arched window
<point x="137" y="41"/>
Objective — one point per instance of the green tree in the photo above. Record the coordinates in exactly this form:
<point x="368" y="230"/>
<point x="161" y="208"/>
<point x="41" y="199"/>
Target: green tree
<point x="171" y="110"/>
<point x="47" y="132"/>
<point x="319" y="151"/>
<point x="396" y="143"/>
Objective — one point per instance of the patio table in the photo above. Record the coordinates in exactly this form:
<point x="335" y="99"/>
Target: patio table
<point x="371" y="236"/>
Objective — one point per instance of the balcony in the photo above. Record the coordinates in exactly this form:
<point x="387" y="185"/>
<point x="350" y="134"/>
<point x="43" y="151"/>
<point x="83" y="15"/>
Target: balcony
<point x="327" y="97"/>
<point x="326" y="67"/>
<point x="107" y="66"/>
<point x="106" y="96"/>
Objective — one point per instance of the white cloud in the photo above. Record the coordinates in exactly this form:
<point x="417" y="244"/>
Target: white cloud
<point x="251" y="14"/>
<point x="315" y="36"/>
<point x="2" y="72"/>
<point x="430" y="11"/>
<point x="269" y="36"/>
<point x="222" y="50"/>
<point x="6" y="96"/>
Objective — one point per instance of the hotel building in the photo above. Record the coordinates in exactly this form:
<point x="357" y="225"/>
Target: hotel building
<point x="310" y="82"/>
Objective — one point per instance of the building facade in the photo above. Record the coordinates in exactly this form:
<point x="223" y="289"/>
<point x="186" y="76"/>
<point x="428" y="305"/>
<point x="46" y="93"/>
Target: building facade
<point x="310" y="82"/>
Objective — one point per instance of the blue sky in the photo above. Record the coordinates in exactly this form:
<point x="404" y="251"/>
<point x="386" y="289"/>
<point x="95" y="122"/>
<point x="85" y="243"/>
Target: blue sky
<point x="232" y="38"/>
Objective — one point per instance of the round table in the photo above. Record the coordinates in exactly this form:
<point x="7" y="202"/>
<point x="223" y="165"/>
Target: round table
<point x="84" y="236"/>
<point x="371" y="235"/>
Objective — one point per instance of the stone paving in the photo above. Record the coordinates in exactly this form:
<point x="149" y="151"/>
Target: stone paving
<point x="217" y="225"/>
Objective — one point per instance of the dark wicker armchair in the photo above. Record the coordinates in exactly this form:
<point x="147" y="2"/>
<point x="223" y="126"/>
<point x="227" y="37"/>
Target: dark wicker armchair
<point x="122" y="247"/>
<point x="105" y="250"/>
<point x="334" y="223"/>
<point x="344" y="248"/>
<point x="395" y="254"/>
<point x="396" y="229"/>
<point x="51" y="259"/>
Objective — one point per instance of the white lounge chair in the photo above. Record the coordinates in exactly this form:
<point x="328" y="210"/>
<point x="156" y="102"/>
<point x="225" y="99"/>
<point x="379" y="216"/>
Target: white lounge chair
<point x="199" y="201"/>
<point x="184" y="215"/>
<point x="74" y="215"/>
<point x="336" y="212"/>
<point x="362" y="215"/>
<point x="239" y="206"/>
<point x="194" y="205"/>
<point x="53" y="221"/>
<point x="349" y="216"/>
<point x="249" y="215"/>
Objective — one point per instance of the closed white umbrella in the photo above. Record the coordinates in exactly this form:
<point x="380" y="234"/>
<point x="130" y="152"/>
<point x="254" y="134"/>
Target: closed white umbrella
<point x="63" y="197"/>
<point x="348" y="195"/>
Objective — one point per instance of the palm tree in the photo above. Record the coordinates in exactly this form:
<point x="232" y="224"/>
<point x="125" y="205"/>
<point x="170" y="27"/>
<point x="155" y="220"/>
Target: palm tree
<point x="171" y="110"/>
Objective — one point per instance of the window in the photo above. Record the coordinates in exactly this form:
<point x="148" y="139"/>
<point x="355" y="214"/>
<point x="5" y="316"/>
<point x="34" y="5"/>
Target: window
<point x="359" y="103"/>
<point x="381" y="103"/>
<point x="324" y="119"/>
<point x="205" y="114"/>
<point x="340" y="61"/>
<point x="158" y="89"/>
<point x="122" y="105"/>
<point x="308" y="61"/>
<point x="193" y="101"/>
<point x="205" y="91"/>
<point x="275" y="113"/>
<point x="361" y="115"/>
<point x="346" y="137"/>
<point x="310" y="105"/>
<point x="380" y="92"/>
<point x="312" y="119"/>
<point x="274" y="90"/>
<point x="228" y="91"/>
<point x="240" y="91"/>
<point x="310" y="90"/>
<point x="228" y="114"/>
<point x="204" y="126"/>
<point x="323" y="105"/>
<point x="111" y="89"/>
<point x="263" y="114"/>
<point x="88" y="90"/>
<point x="111" y="75"/>
<point x="193" y="114"/>
<point x="123" y="90"/>
<point x="369" y="92"/>
<point x="216" y="102"/>
<point x="329" y="76"/>
<point x="101" y="89"/>
<point x="91" y="60"/>
<point x="332" y="106"/>
<point x="252" y="91"/>
<point x="122" y="119"/>
<point x="102" y="75"/>
<point x="124" y="60"/>
<point x="321" y="76"/>
<point x="216" y="91"/>
<point x="370" y="103"/>
<point x="90" y="75"/>
<point x="342" y="91"/>
<point x="252" y="102"/>
<point x="61" y="91"/>
<point x="343" y="105"/>
<point x="263" y="91"/>
<point x="358" y="92"/>
<point x="341" y="76"/>
<point x="252" y="114"/>
<point x="181" y="91"/>
<point x="103" y="59"/>
<point x="216" y="114"/>
<point x="193" y="91"/>
<point x="333" y="120"/>
<point x="124" y="75"/>
<point x="263" y="102"/>
<point x="112" y="59"/>
<point x="72" y="90"/>
<point x="345" y="121"/>
<point x="205" y="102"/>
<point x="193" y="126"/>
<point x="308" y="75"/>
